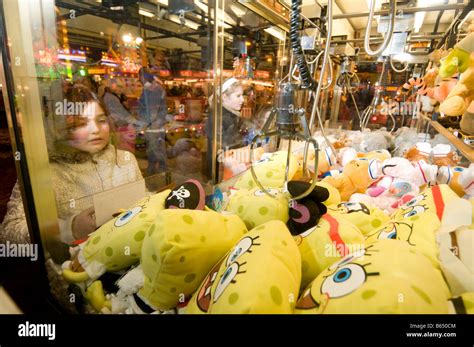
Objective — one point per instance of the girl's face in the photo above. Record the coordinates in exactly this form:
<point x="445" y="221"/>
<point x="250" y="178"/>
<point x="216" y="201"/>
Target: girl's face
<point x="90" y="132"/>
<point x="234" y="100"/>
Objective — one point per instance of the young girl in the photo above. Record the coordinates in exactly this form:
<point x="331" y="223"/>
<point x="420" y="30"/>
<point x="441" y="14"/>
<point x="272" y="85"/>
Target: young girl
<point x="234" y="126"/>
<point x="82" y="164"/>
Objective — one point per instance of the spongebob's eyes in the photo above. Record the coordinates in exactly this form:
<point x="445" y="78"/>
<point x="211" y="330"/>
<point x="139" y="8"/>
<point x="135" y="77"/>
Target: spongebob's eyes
<point x="269" y="191"/>
<point x="127" y="216"/>
<point x="235" y="254"/>
<point x="388" y="234"/>
<point x="242" y="247"/>
<point x="415" y="211"/>
<point x="226" y="279"/>
<point x="344" y="281"/>
<point x="263" y="160"/>
<point x="415" y="200"/>
<point x="411" y="202"/>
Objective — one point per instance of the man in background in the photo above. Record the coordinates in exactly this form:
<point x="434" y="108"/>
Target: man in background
<point x="152" y="111"/>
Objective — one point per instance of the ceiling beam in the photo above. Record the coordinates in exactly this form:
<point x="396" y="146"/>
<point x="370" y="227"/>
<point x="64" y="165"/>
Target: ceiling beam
<point x="380" y="38"/>
<point x="116" y="18"/>
<point x="343" y="11"/>
<point x="448" y="33"/>
<point x="405" y="10"/>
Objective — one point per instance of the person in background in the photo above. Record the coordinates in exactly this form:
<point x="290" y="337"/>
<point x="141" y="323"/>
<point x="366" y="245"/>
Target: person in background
<point x="82" y="162"/>
<point x="123" y="123"/>
<point x="152" y="113"/>
<point x="235" y="129"/>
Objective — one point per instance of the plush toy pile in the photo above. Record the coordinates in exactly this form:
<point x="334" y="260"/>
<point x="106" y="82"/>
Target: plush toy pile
<point x="376" y="237"/>
<point x="451" y="84"/>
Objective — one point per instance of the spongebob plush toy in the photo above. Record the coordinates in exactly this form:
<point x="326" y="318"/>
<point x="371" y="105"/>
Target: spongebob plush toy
<point x="255" y="207"/>
<point x="387" y="276"/>
<point x="261" y="274"/>
<point x="419" y="220"/>
<point x="327" y="242"/>
<point x="178" y="251"/>
<point x="417" y="231"/>
<point x="433" y="199"/>
<point x="270" y="171"/>
<point x="456" y="255"/>
<point x="117" y="244"/>
<point x="365" y="217"/>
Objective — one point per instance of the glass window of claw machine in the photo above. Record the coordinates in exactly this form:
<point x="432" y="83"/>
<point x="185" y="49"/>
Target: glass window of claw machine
<point x="108" y="101"/>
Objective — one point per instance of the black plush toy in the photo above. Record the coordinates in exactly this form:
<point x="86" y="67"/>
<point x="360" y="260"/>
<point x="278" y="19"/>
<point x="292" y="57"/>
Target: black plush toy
<point x="306" y="212"/>
<point x="190" y="195"/>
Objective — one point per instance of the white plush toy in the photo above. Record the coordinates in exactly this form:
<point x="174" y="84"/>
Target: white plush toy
<point x="389" y="137"/>
<point x="404" y="139"/>
<point x="400" y="181"/>
<point x="373" y="141"/>
<point x="466" y="180"/>
<point x="459" y="179"/>
<point x="346" y="154"/>
<point x="419" y="172"/>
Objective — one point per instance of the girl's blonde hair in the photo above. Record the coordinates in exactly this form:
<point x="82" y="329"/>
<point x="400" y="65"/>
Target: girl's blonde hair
<point x="228" y="87"/>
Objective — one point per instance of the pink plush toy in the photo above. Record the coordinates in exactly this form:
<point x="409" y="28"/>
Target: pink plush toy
<point x="400" y="181"/>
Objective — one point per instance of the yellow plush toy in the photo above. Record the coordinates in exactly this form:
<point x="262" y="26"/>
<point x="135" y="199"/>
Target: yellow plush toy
<point x="255" y="207"/>
<point x="365" y="218"/>
<point x="380" y="154"/>
<point x="334" y="195"/>
<point x="347" y="154"/>
<point x="180" y="249"/>
<point x="326" y="243"/>
<point x="356" y="177"/>
<point x="261" y="274"/>
<point x="461" y="96"/>
<point x="432" y="199"/>
<point x="117" y="244"/>
<point x="326" y="160"/>
<point x="458" y="59"/>
<point x="417" y="231"/>
<point x="271" y="171"/>
<point x="450" y="176"/>
<point x="387" y="277"/>
<point x="456" y="255"/>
